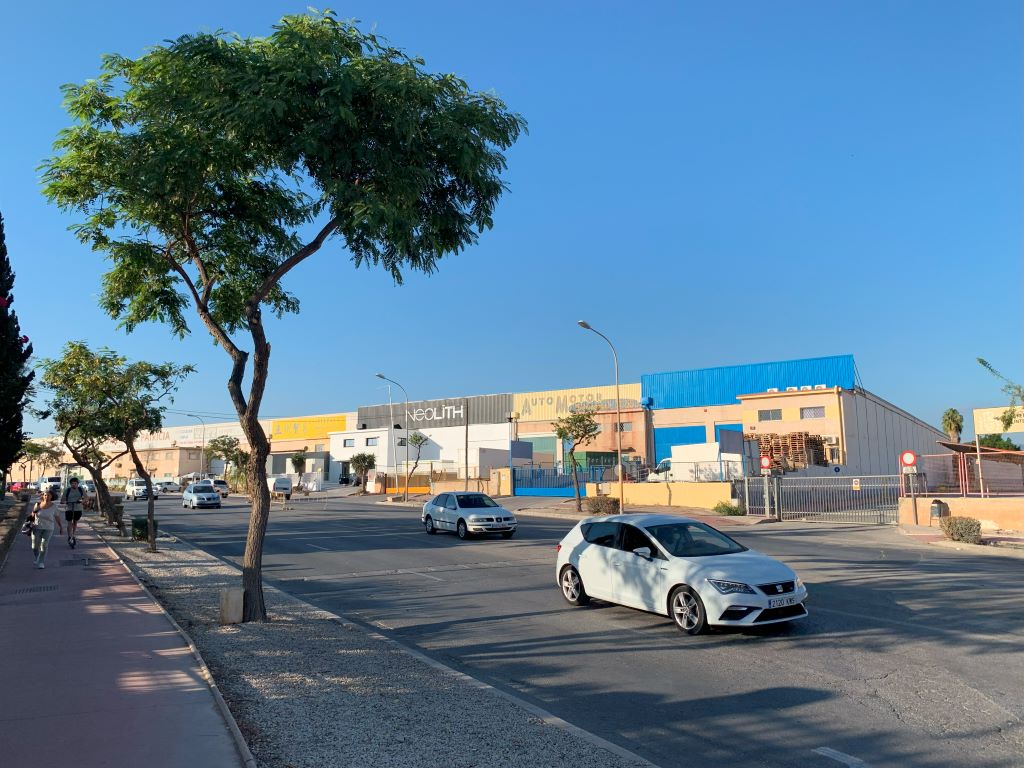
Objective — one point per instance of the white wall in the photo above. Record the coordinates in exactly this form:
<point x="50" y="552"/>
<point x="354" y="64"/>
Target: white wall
<point x="340" y="452"/>
<point x="877" y="431"/>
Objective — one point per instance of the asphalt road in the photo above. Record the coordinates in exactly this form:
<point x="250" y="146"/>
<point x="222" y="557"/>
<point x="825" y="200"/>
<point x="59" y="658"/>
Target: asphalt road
<point x="911" y="655"/>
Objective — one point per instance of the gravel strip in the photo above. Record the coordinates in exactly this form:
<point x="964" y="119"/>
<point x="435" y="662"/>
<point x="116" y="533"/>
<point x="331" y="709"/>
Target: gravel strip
<point x="308" y="692"/>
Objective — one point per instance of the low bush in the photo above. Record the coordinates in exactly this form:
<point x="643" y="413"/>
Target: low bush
<point x="601" y="505"/>
<point x="965" y="529"/>
<point x="725" y="508"/>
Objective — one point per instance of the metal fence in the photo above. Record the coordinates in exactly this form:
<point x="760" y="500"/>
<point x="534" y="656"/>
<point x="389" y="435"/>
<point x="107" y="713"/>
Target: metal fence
<point x="536" y="481"/>
<point x="992" y="473"/>
<point x="866" y="499"/>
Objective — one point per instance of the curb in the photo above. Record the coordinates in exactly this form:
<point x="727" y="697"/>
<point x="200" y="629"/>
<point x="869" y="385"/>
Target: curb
<point x="240" y="744"/>
<point x="14" y="538"/>
<point x="547" y="717"/>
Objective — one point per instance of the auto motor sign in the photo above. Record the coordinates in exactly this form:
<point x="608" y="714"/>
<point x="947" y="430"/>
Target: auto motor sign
<point x="450" y="412"/>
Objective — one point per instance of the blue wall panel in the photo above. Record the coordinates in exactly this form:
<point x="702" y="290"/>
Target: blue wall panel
<point x="666" y="437"/>
<point x="720" y="427"/>
<point x="720" y="386"/>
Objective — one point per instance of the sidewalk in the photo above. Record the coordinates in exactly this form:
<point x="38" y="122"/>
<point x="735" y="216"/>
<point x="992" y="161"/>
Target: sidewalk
<point x="94" y="674"/>
<point x="1003" y="540"/>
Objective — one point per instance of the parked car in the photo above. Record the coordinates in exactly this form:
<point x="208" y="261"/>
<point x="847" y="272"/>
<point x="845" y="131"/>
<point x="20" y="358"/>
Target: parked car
<point x="135" y="489"/>
<point x="676" y="567"/>
<point x="200" y="495"/>
<point x="33" y="486"/>
<point x="280" y="485"/>
<point x="18" y="486"/>
<point x="50" y="483"/>
<point x="222" y="487"/>
<point x="167" y="486"/>
<point x="467" y="514"/>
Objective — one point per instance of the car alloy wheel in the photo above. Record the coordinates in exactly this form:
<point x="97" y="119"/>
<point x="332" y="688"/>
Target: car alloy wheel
<point x="572" y="587"/>
<point x="428" y="524"/>
<point x="687" y="611"/>
<point x="461" y="530"/>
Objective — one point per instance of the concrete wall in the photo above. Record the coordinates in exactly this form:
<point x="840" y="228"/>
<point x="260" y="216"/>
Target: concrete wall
<point x="496" y="485"/>
<point x="994" y="514"/>
<point x="699" y="495"/>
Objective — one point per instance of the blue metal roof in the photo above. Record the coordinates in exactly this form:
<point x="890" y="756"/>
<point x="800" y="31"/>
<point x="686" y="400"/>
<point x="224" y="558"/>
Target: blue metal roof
<point x="720" y="386"/>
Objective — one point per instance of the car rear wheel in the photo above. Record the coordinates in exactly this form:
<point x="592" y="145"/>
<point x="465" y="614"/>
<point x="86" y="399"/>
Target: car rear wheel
<point x="687" y="611"/>
<point x="461" y="530"/>
<point x="428" y="525"/>
<point x="572" y="587"/>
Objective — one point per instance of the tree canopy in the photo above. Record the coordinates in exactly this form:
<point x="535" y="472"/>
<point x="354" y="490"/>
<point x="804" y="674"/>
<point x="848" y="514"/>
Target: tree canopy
<point x="953" y="424"/>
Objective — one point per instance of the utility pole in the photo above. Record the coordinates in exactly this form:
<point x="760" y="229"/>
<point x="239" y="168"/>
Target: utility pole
<point x="618" y="412"/>
<point x="405" y="421"/>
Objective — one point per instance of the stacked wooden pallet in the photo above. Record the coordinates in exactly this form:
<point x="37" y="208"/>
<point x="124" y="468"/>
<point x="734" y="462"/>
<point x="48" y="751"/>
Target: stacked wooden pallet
<point x="793" y="450"/>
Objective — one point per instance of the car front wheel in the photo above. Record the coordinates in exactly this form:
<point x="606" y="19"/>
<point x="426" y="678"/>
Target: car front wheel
<point x="428" y="525"/>
<point x="461" y="530"/>
<point x="572" y="587"/>
<point x="687" y="611"/>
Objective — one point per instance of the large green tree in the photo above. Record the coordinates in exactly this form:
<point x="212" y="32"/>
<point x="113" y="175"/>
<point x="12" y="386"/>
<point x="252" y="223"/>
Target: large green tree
<point x="99" y="398"/>
<point x="209" y="168"/>
<point x="578" y="429"/>
<point x="33" y="452"/>
<point x="15" y="374"/>
<point x="998" y="441"/>
<point x="953" y="424"/>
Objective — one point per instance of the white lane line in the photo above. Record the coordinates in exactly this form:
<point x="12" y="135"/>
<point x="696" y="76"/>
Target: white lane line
<point x="316" y="546"/>
<point x="420" y="573"/>
<point x="841" y="757"/>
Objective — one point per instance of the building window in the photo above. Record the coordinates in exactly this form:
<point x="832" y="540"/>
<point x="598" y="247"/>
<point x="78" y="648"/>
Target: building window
<point x="193" y="455"/>
<point x="371" y="441"/>
<point x="348" y="442"/>
<point x="833" y="455"/>
<point x="168" y="455"/>
<point x="770" y="414"/>
<point x="625" y="426"/>
<point x="401" y="442"/>
<point x="814" y="412"/>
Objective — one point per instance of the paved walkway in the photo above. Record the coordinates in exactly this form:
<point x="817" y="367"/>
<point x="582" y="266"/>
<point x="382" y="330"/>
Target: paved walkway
<point x="93" y="673"/>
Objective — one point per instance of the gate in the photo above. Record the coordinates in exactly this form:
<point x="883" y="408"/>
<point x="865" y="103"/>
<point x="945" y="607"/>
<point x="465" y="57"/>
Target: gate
<point x="546" y="481"/>
<point x="867" y="499"/>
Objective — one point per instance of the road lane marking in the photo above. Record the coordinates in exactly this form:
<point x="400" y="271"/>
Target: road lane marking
<point x="316" y="546"/>
<point x="841" y="757"/>
<point x="420" y="573"/>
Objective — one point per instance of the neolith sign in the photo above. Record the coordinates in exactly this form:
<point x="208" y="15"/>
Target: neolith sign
<point x="450" y="412"/>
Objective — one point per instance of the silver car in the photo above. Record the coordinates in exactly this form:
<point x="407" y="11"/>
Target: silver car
<point x="467" y="514"/>
<point x="200" y="495"/>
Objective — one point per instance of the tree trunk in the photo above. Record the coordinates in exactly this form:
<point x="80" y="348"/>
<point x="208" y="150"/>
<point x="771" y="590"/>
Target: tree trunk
<point x="141" y="469"/>
<point x="575" y="480"/>
<point x="253" y="604"/>
<point x="104" y="504"/>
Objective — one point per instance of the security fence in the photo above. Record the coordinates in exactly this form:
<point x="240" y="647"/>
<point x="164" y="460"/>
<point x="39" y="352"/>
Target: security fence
<point x="968" y="473"/>
<point x="537" y="481"/>
<point x="865" y="499"/>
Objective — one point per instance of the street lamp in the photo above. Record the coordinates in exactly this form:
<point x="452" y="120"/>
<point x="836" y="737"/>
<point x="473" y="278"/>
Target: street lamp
<point x="618" y="415"/>
<point x="202" y="449"/>
<point x="406" y="422"/>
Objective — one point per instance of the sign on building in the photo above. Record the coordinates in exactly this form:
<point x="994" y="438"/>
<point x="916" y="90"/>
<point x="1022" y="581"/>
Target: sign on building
<point x="555" y="403"/>
<point x="987" y="421"/>
<point x="450" y="412"/>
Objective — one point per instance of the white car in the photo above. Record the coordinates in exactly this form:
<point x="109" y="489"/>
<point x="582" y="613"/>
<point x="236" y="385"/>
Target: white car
<point x="167" y="486"/>
<point x="467" y="514"/>
<point x="676" y="567"/>
<point x="136" y="489"/>
<point x="200" y="495"/>
<point x="222" y="487"/>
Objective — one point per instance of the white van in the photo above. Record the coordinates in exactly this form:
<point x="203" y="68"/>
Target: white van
<point x="136" y="489"/>
<point x="280" y="485"/>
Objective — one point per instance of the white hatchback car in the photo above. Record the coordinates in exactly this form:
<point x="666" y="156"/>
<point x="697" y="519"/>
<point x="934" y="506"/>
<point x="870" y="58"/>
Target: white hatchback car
<point x="200" y="495"/>
<point x="676" y="567"/>
<point x="467" y="514"/>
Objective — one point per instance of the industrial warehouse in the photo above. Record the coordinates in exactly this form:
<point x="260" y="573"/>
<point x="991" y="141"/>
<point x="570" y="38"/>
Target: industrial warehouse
<point x="811" y="416"/>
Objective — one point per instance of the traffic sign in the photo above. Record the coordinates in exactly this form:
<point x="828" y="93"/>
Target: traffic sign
<point x="766" y="462"/>
<point x="908" y="459"/>
<point x="856" y="484"/>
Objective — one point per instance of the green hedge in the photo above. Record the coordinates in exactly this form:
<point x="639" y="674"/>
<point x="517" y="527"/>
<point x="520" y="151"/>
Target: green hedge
<point x="965" y="529"/>
<point x="725" y="508"/>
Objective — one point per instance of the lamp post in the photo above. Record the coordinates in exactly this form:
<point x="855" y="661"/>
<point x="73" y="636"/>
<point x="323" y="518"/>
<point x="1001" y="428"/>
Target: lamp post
<point x="618" y="415"/>
<point x="406" y="422"/>
<point x="202" y="448"/>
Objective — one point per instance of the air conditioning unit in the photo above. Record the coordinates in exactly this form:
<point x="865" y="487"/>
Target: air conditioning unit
<point x="820" y="386"/>
<point x="805" y="388"/>
<point x="772" y="389"/>
<point x="830" y="439"/>
<point x="792" y="389"/>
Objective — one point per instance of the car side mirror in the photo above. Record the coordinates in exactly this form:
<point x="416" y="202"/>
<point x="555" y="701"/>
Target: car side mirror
<point x="644" y="552"/>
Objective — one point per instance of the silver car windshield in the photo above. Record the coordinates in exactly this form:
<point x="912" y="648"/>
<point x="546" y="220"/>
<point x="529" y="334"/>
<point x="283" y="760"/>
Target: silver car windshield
<point x="694" y="540"/>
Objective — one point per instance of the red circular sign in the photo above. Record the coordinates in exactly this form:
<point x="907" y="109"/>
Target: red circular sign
<point x="908" y="458"/>
<point x="766" y="462"/>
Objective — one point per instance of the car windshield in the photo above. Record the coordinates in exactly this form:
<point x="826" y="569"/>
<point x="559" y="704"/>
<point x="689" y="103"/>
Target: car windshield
<point x="474" y="500"/>
<point x="693" y="540"/>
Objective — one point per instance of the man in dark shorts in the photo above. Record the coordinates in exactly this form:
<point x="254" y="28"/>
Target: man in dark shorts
<point x="72" y="499"/>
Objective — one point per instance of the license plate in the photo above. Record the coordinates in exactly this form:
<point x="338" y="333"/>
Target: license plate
<point x="781" y="602"/>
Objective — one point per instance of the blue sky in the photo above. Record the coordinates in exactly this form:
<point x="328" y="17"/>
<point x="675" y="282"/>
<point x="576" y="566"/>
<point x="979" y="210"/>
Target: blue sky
<point x="707" y="183"/>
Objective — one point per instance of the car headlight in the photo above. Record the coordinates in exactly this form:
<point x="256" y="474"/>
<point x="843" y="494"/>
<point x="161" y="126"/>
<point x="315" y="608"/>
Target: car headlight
<point x="730" y="587"/>
<point x="474" y="519"/>
<point x="800" y="583"/>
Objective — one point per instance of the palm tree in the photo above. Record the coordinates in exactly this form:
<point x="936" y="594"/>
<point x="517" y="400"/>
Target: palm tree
<point x="953" y="424"/>
<point x="361" y="464"/>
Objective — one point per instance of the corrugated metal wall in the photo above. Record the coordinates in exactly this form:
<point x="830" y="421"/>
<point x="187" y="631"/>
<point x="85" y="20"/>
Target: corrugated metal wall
<point x="720" y="386"/>
<point x="449" y="412"/>
<point x="666" y="437"/>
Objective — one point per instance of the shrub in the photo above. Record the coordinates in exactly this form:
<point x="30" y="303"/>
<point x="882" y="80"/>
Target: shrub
<point x="725" y="508"/>
<point x="602" y="505"/>
<point x="965" y="529"/>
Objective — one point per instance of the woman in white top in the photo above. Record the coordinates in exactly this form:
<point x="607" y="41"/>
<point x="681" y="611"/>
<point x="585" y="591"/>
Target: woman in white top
<point x="45" y="520"/>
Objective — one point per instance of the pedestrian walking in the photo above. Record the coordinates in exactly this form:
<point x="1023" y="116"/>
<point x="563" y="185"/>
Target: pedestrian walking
<point x="44" y="520"/>
<point x="73" y="500"/>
